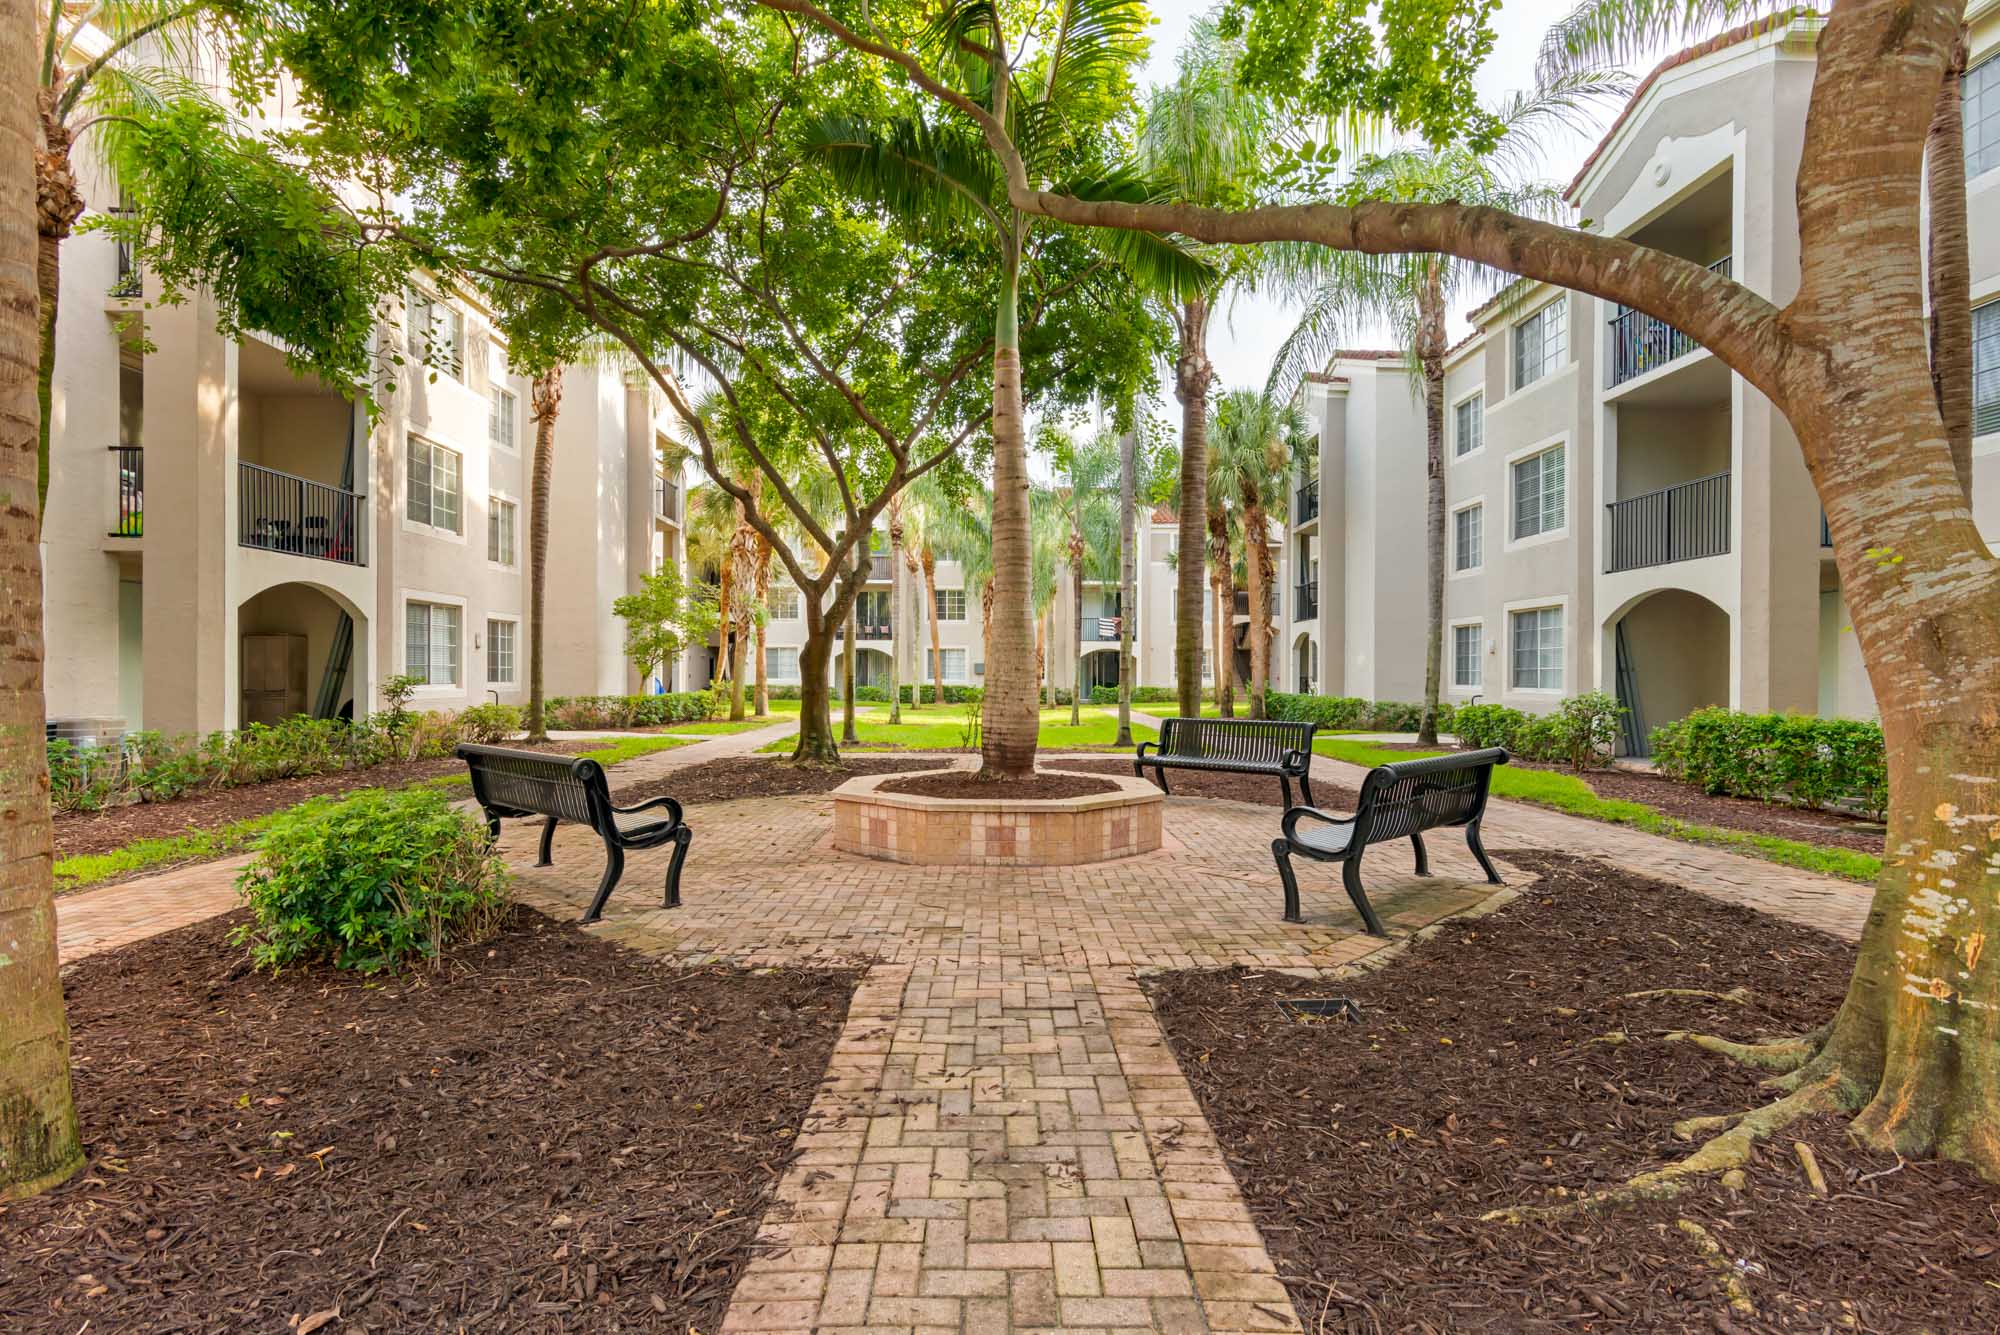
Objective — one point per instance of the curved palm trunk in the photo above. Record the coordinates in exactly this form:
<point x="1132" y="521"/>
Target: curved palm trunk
<point x="1951" y="268"/>
<point x="937" y="640"/>
<point x="1192" y="374"/>
<point x="848" y="737"/>
<point x="1430" y="355"/>
<point x="545" y="401"/>
<point x="1128" y="523"/>
<point x="1258" y="576"/>
<point x="1010" y="717"/>
<point x="764" y="554"/>
<point x="1222" y="571"/>
<point x="58" y="204"/>
<point x="38" y="1131"/>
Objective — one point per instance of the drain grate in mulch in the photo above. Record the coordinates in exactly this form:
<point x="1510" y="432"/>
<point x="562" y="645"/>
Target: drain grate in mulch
<point x="546" y="1133"/>
<point x="1507" y="1059"/>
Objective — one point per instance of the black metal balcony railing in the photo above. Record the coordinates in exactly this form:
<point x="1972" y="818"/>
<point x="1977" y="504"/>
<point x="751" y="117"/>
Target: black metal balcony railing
<point x="666" y="499"/>
<point x="1308" y="601"/>
<point x="130" y="281"/>
<point x="1642" y="343"/>
<point x="1101" y="630"/>
<point x="1306" y="504"/>
<point x="277" y="512"/>
<point x="879" y="564"/>
<point x="1242" y="601"/>
<point x="130" y="461"/>
<point x="1677" y="523"/>
<point x="867" y="630"/>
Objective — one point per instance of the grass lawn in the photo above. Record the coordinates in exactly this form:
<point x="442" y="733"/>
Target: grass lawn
<point x="1567" y="793"/>
<point x="722" y="727"/>
<point x="942" y="728"/>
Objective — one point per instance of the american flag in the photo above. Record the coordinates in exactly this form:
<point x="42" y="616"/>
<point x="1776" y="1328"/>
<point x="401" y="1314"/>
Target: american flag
<point x="1107" y="628"/>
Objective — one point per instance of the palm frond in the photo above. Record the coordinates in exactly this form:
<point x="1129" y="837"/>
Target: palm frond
<point x="1204" y="131"/>
<point x="934" y="179"/>
<point x="1601" y="33"/>
<point x="1568" y="101"/>
<point x="1096" y="42"/>
<point x="1162" y="265"/>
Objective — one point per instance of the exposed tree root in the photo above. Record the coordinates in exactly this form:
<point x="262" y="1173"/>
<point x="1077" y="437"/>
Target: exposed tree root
<point x="1779" y="1056"/>
<point x="1693" y="1128"/>
<point x="1738" y="996"/>
<point x="1711" y="1252"/>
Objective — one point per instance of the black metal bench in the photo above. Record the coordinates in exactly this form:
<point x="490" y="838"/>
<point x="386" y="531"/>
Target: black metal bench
<point x="1398" y="801"/>
<point x="1232" y="746"/>
<point x="507" y="782"/>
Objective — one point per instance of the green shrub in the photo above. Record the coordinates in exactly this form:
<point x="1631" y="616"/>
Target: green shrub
<point x="1777" y="757"/>
<point x="1141" y="695"/>
<point x="1346" y="713"/>
<point x="487" y="724"/>
<point x="1584" y="730"/>
<point x="587" y="713"/>
<point x="370" y="882"/>
<point x="82" y="778"/>
<point x="1481" y="726"/>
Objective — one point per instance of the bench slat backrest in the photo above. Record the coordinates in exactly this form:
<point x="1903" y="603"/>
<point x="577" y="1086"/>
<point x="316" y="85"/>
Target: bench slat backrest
<point x="568" y="787"/>
<point x="1412" y="796"/>
<point x="1250" y="741"/>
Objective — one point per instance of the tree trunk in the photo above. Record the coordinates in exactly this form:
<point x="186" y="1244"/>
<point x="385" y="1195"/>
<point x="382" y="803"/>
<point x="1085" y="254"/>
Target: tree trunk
<point x="1128" y="523"/>
<point x="1951" y="268"/>
<point x="38" y="1131"/>
<point x="848" y="737"/>
<point x="896" y="641"/>
<point x="1041" y="662"/>
<point x="1010" y="717"/>
<point x="58" y="204"/>
<point x="1076" y="596"/>
<point x="1430" y="355"/>
<point x="545" y="402"/>
<point x="1222" y="564"/>
<point x="937" y="640"/>
<point x="1192" y="374"/>
<point x="815" y="745"/>
<point x="763" y="704"/>
<point x="1259" y="576"/>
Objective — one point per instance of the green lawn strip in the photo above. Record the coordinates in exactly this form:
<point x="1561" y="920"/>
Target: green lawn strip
<point x="722" y="727"/>
<point x="930" y="728"/>
<point x="1569" y="794"/>
<point x="628" y="748"/>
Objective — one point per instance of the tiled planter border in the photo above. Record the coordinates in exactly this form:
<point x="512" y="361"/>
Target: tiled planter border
<point x="939" y="831"/>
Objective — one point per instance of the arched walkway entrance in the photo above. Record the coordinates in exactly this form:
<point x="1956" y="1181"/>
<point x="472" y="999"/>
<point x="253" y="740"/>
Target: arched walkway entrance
<point x="1670" y="651"/>
<point x="1305" y="664"/>
<point x="304" y="650"/>
<point x="1100" y="668"/>
<point x="871" y="668"/>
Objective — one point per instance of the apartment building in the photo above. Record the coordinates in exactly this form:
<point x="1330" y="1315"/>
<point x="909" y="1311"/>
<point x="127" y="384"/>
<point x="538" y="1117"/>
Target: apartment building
<point x="1624" y="513"/>
<point x="228" y="541"/>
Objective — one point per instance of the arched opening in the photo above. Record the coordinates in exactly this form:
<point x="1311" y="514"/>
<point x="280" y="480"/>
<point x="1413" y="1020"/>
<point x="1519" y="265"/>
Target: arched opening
<point x="871" y="668"/>
<point x="1305" y="664"/>
<point x="303" y="651"/>
<point x="1100" y="668"/>
<point x="1671" y="655"/>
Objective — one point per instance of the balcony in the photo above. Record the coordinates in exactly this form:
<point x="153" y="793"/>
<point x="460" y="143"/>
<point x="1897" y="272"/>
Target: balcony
<point x="1305" y="503"/>
<point x="277" y="512"/>
<point x="130" y="461"/>
<point x="1640" y="343"/>
<point x="1307" y="602"/>
<point x="1683" y="522"/>
<point x="1242" y="602"/>
<point x="666" y="499"/>
<point x="867" y="630"/>
<point x="879" y="565"/>
<point x="1101" y="629"/>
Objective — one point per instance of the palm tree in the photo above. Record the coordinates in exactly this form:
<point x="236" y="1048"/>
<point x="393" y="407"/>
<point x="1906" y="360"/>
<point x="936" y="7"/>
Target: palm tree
<point x="1128" y="602"/>
<point x="1086" y="510"/>
<point x="942" y="177"/>
<point x="1346" y="293"/>
<point x="1220" y="525"/>
<point x="38" y="1132"/>
<point x="923" y="519"/>
<point x="712" y="520"/>
<point x="1255" y="440"/>
<point x="544" y="402"/>
<point x="896" y="641"/>
<point x="1208" y="135"/>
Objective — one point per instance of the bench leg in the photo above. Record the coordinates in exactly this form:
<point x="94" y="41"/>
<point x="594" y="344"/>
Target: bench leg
<point x="1160" y="777"/>
<point x="1423" y="858"/>
<point x="1479" y="851"/>
<point x="1306" y="786"/>
<point x="492" y="828"/>
<point x="1350" y="876"/>
<point x="548" y="843"/>
<point x="614" y="867"/>
<point x="682" y="838"/>
<point x="1285" y="784"/>
<point x="1283" y="853"/>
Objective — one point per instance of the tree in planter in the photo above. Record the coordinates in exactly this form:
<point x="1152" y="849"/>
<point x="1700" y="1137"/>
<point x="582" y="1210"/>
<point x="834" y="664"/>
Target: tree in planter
<point x="662" y="619"/>
<point x="1257" y="440"/>
<point x="1914" y="1051"/>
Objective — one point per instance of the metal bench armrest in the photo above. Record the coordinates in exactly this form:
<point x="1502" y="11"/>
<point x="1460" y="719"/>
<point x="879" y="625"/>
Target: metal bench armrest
<point x="668" y="802"/>
<point x="1293" y="816"/>
<point x="1142" y="749"/>
<point x="1295" y="761"/>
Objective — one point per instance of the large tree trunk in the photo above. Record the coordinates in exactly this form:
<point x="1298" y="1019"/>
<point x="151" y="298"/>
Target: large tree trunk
<point x="1076" y="597"/>
<point x="1259" y="576"/>
<point x="1010" y="717"/>
<point x="1192" y="375"/>
<point x="848" y="737"/>
<point x="1222" y="563"/>
<point x="58" y="204"/>
<point x="1951" y="267"/>
<point x="763" y="704"/>
<point x="896" y="641"/>
<point x="1128" y="523"/>
<point x="38" y="1132"/>
<point x="937" y="640"/>
<point x="545" y="402"/>
<point x="815" y="743"/>
<point x="1430" y="356"/>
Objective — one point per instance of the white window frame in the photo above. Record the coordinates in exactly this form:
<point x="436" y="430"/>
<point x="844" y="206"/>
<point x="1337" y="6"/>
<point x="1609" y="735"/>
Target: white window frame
<point x="1479" y="449"/>
<point x="1507" y="650"/>
<point x="1478" y="567"/>
<point x="494" y="500"/>
<point x="964" y="605"/>
<point x="1551" y="369"/>
<point x="943" y="659"/>
<point x="1988" y="69"/>
<point x="777" y="677"/>
<point x="430" y="690"/>
<point x="510" y="619"/>
<point x="411" y="524"/>
<point x="771" y="603"/>
<point x="421" y="298"/>
<point x="1512" y="542"/>
<point x="1452" y="683"/>
<point x="495" y="391"/>
<point x="1990" y="306"/>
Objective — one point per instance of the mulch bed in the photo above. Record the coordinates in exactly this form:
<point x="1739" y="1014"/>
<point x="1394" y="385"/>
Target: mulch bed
<point x="1478" y="1079"/>
<point x="965" y="785"/>
<point x="547" y="1132"/>
<point x="735" y="777"/>
<point x="212" y="808"/>
<point x="1225" y="787"/>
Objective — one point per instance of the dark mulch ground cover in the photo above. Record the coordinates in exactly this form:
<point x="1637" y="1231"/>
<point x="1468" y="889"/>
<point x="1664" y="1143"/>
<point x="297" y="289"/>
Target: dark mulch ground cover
<point x="735" y="777"/>
<point x="213" y="808"/>
<point x="545" y="1133"/>
<point x="966" y="785"/>
<point x="1478" y="1079"/>
<point x="1226" y="787"/>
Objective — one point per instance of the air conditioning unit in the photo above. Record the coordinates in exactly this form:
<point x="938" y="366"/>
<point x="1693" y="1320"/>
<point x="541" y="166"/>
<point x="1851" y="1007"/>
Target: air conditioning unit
<point x="979" y="669"/>
<point x="87" y="733"/>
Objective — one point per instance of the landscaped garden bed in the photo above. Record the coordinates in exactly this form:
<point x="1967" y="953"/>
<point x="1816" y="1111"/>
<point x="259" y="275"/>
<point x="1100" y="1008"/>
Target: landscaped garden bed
<point x="735" y="777"/>
<point x="545" y="1132"/>
<point x="1520" y="1059"/>
<point x="1223" y="786"/>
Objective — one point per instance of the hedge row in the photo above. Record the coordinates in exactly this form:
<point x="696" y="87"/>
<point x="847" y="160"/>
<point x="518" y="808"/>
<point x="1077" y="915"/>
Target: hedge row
<point x="584" y="712"/>
<point x="1580" y="732"/>
<point x="1772" y="757"/>
<point x="1351" y="713"/>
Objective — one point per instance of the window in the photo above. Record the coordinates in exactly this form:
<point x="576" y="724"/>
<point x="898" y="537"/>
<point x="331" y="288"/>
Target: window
<point x="784" y="605"/>
<point x="434" y="485"/>
<point x="951" y="604"/>
<point x="1538" y="649"/>
<point x="500" y="419"/>
<point x="1539" y="499"/>
<point x="1468" y="535"/>
<point x="500" y="653"/>
<point x="1469" y="425"/>
<point x="1981" y="113"/>
<point x="430" y="643"/>
<point x="1541" y="343"/>
<point x="782" y="664"/>
<point x="437" y="333"/>
<point x="1465" y="655"/>
<point x="1986" y="361"/>
<point x="500" y="519"/>
<point x="954" y="665"/>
